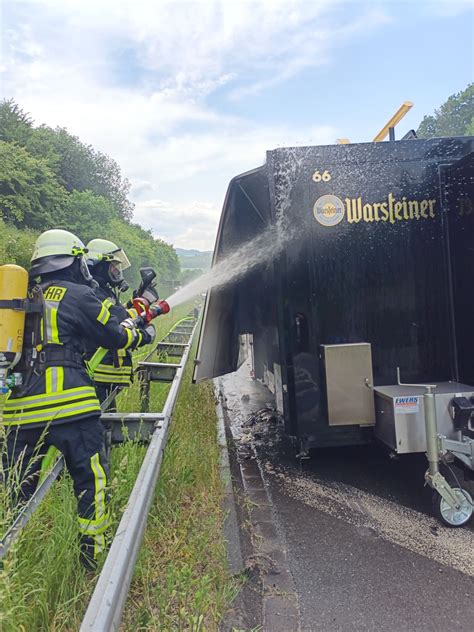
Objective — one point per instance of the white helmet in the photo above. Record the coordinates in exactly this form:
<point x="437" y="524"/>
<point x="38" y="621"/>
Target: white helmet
<point x="103" y="250"/>
<point x="54" y="250"/>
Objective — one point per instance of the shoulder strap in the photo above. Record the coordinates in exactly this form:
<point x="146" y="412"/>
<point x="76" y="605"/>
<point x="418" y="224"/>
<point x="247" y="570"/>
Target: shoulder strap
<point x="20" y="305"/>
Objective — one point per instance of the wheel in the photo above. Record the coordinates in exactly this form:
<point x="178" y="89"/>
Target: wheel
<point x="453" y="517"/>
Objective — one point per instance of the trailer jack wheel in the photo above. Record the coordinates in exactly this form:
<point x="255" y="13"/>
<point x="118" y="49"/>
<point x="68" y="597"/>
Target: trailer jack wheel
<point x="453" y="517"/>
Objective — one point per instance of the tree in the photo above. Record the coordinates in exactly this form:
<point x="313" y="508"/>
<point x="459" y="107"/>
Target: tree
<point x="86" y="214"/>
<point x="79" y="167"/>
<point x="110" y="184"/>
<point x="167" y="262"/>
<point x="454" y="118"/>
<point x="15" y="124"/>
<point x="143" y="250"/>
<point x="30" y="195"/>
<point x="189" y="275"/>
<point x="71" y="160"/>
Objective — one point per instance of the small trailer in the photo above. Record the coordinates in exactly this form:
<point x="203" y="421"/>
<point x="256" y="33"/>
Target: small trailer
<point x="371" y="270"/>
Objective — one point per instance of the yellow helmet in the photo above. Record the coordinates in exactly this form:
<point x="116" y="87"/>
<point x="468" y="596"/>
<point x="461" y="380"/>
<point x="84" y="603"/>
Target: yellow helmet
<point x="103" y="250"/>
<point x="54" y="250"/>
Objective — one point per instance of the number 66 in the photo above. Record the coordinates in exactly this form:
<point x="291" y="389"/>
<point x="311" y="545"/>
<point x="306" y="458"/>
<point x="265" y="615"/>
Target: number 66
<point x="325" y="176"/>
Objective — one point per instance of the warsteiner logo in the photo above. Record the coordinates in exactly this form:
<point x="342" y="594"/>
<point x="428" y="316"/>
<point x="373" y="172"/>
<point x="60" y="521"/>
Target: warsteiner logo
<point x="329" y="210"/>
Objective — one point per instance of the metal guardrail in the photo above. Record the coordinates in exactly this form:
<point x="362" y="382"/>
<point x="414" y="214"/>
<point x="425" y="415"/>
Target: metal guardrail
<point x="106" y="606"/>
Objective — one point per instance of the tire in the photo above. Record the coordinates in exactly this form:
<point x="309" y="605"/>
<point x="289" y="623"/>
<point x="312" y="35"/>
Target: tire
<point x="449" y="517"/>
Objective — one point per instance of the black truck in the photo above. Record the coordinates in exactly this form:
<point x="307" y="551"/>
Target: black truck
<point x="372" y="269"/>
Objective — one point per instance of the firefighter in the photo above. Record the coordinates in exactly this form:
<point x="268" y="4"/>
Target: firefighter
<point x="56" y="403"/>
<point x="107" y="262"/>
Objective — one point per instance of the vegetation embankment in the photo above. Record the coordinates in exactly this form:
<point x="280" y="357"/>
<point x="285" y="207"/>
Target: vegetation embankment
<point x="51" y="179"/>
<point x="181" y="580"/>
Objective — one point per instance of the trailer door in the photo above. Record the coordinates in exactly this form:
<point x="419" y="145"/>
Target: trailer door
<point x="234" y="309"/>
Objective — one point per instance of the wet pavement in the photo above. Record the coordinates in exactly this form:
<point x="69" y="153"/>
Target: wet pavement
<point x="360" y="543"/>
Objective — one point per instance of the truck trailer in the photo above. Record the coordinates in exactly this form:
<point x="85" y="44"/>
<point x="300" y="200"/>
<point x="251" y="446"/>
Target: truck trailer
<point x="364" y="293"/>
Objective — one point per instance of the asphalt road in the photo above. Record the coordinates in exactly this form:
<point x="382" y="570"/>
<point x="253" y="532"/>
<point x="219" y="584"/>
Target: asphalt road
<point x="363" y="549"/>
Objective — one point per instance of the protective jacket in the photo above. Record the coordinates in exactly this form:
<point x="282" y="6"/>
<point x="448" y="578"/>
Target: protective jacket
<point x="59" y="390"/>
<point x="116" y="368"/>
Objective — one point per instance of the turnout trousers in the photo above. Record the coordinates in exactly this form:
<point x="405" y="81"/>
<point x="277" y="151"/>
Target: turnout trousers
<point x="82" y="444"/>
<point x="103" y="391"/>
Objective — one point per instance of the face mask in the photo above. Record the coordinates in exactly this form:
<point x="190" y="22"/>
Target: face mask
<point x="84" y="268"/>
<point x="115" y="272"/>
<point x="123" y="286"/>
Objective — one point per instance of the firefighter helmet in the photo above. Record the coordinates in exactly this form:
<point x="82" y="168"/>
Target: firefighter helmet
<point x="55" y="250"/>
<point x="103" y="250"/>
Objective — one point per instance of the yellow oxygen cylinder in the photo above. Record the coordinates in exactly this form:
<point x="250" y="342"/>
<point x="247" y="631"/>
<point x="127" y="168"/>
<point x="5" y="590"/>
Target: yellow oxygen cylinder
<point x="13" y="286"/>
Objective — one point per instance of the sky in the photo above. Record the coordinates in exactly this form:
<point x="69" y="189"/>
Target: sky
<point x="186" y="95"/>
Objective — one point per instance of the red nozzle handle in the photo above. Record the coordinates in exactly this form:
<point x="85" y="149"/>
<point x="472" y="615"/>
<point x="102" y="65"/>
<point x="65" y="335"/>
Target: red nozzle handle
<point x="141" y="305"/>
<point x="158" y="308"/>
<point x="146" y="312"/>
<point x="164" y="307"/>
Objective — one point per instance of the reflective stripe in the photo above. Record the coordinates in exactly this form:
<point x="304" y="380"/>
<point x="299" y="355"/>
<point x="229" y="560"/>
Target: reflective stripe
<point x="101" y="517"/>
<point x="54" y="379"/>
<point x="28" y="411"/>
<point x="132" y="312"/>
<point x="104" y="314"/>
<point x="54" y="325"/>
<point x="130" y="337"/>
<point x="90" y="526"/>
<point x="60" y="379"/>
<point x="48" y="376"/>
<point x="35" y="400"/>
<point x="108" y="302"/>
<point x="100" y="480"/>
<point x="51" y="333"/>
<point x="96" y="526"/>
<point x="108" y="368"/>
<point x="139" y="338"/>
<point x="99" y="544"/>
<point x="112" y="379"/>
<point x="14" y="418"/>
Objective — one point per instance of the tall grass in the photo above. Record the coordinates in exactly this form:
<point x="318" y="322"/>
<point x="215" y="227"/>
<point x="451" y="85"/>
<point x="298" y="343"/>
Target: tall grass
<point x="181" y="581"/>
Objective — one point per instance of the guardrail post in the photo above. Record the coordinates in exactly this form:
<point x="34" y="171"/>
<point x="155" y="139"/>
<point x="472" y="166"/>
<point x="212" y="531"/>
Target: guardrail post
<point x="144" y="381"/>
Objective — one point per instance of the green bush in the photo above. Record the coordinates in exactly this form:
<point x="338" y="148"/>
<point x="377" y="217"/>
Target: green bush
<point x="16" y="245"/>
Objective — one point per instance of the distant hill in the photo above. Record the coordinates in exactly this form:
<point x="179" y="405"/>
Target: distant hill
<point x="194" y="259"/>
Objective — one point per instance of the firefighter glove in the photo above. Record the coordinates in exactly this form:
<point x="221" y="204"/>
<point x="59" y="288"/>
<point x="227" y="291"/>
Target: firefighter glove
<point x="150" y="294"/>
<point x="150" y="332"/>
<point x="129" y="324"/>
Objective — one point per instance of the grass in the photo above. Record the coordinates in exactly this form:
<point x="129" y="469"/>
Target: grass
<point x="181" y="581"/>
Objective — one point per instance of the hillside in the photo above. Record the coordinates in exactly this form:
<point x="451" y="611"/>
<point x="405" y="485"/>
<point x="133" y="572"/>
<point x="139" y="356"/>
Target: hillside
<point x="194" y="259"/>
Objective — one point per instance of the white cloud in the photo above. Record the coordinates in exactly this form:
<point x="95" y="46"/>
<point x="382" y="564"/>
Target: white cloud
<point x="136" y="79"/>
<point x="179" y="224"/>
